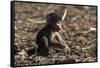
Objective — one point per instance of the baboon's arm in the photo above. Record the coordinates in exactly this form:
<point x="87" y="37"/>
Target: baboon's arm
<point x="59" y="39"/>
<point x="62" y="42"/>
<point x="53" y="43"/>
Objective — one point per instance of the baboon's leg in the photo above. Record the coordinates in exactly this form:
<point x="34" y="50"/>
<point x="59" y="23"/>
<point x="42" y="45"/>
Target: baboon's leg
<point x="43" y="48"/>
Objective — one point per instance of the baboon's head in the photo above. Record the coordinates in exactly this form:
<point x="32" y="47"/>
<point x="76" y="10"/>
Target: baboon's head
<point x="54" y="20"/>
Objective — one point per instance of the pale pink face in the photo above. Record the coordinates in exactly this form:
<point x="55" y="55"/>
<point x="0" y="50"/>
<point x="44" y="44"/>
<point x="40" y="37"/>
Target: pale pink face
<point x="57" y="26"/>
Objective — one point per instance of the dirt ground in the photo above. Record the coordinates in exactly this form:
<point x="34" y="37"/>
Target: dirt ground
<point x="79" y="33"/>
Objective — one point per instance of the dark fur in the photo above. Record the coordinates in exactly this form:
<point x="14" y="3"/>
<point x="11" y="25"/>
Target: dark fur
<point x="42" y="40"/>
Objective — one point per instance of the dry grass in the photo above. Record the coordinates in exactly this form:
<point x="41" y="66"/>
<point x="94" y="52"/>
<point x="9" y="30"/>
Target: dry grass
<point x="77" y="32"/>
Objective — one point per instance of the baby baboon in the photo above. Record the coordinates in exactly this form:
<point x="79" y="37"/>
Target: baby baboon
<point x="47" y="36"/>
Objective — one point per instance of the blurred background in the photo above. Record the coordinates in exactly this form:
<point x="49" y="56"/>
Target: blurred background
<point x="79" y="32"/>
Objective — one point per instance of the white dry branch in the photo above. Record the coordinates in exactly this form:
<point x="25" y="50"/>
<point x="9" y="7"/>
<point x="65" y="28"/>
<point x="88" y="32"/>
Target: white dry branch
<point x="36" y="21"/>
<point x="64" y="15"/>
<point x="43" y="21"/>
<point x="92" y="29"/>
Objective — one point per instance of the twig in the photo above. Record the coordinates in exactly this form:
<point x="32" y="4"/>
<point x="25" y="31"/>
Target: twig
<point x="64" y="15"/>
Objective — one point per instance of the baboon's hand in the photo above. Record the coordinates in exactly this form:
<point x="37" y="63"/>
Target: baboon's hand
<point x="67" y="50"/>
